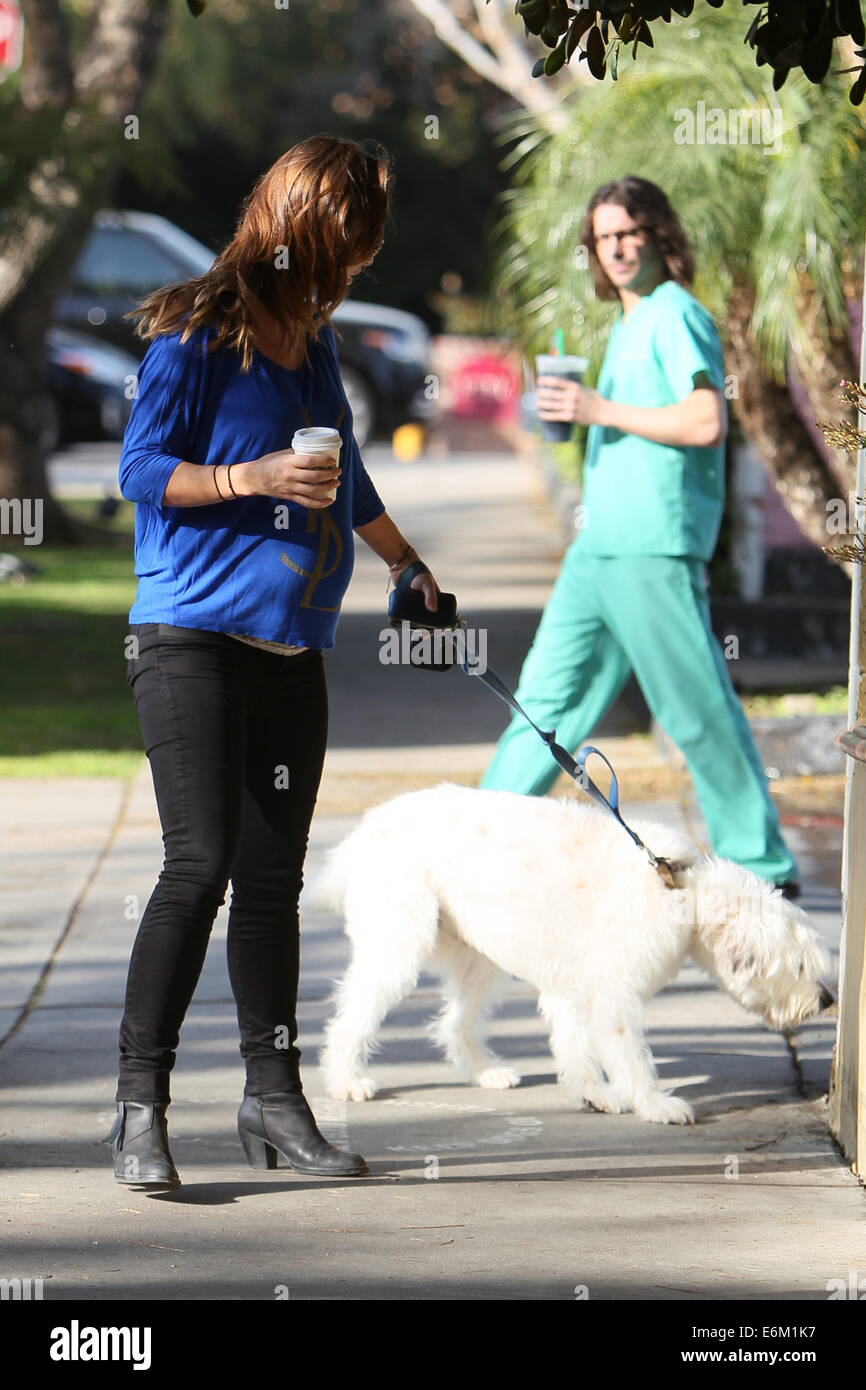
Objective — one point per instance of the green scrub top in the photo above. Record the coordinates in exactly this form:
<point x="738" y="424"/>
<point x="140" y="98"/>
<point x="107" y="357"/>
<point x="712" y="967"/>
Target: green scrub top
<point x="639" y="497"/>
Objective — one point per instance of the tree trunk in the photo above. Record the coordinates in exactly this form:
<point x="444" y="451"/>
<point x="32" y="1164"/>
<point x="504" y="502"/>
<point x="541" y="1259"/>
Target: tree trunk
<point x="831" y="360"/>
<point x="47" y="224"/>
<point x="769" y="418"/>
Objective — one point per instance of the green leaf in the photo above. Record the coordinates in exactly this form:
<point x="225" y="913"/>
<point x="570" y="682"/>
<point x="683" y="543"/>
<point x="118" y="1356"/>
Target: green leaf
<point x="595" y="53"/>
<point x="554" y="61"/>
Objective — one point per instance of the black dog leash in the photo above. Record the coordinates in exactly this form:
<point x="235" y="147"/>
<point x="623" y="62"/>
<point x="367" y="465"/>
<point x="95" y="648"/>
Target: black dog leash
<point x="408" y="605"/>
<point x="576" y="769"/>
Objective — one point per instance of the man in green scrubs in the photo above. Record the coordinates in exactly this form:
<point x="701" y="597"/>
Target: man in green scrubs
<point x="632" y="591"/>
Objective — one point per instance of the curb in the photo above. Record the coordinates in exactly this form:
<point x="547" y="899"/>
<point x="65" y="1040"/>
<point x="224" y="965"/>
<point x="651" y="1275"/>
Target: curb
<point x="790" y="746"/>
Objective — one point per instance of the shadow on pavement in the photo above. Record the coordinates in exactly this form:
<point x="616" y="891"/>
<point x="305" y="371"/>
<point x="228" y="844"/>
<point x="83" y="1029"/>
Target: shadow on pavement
<point x="385" y="706"/>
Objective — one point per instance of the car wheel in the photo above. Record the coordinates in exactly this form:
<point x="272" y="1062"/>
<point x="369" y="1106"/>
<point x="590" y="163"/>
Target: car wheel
<point x="361" y="403"/>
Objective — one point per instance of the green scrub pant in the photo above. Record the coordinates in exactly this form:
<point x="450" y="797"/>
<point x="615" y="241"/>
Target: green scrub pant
<point x="649" y="614"/>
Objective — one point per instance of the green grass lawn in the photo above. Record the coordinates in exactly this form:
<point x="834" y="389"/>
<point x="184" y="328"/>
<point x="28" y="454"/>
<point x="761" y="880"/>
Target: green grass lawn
<point x="65" y="706"/>
<point x="834" y="701"/>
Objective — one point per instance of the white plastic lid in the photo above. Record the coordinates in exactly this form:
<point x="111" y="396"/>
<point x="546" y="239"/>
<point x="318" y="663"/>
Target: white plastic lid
<point x="314" y="439"/>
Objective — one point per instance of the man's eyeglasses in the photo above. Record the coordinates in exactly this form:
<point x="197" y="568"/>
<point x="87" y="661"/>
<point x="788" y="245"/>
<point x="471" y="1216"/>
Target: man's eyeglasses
<point x="635" y="235"/>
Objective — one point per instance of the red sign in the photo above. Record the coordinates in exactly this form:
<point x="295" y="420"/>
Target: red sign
<point x="486" y="388"/>
<point x="11" y="36"/>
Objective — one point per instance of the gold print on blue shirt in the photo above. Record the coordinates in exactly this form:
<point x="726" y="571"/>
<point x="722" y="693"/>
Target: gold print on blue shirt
<point x="328" y="532"/>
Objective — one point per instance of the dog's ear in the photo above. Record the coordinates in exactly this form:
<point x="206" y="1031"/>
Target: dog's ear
<point x="743" y="965"/>
<point x="815" y="960"/>
<point x="741" y="953"/>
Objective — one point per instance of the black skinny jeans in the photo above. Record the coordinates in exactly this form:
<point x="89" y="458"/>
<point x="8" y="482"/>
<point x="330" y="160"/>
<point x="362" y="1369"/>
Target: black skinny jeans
<point x="236" y="739"/>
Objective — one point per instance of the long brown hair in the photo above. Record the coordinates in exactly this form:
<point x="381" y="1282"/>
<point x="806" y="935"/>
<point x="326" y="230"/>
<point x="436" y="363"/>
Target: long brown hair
<point x="321" y="207"/>
<point x="648" y="205"/>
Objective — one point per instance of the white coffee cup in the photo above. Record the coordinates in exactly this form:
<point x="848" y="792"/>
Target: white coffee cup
<point x="319" y="439"/>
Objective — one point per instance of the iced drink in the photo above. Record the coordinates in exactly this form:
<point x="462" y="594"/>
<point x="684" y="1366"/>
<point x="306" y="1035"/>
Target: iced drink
<point x="572" y="369"/>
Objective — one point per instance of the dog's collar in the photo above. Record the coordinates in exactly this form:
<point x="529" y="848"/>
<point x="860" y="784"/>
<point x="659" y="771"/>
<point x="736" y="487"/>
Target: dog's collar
<point x="667" y="868"/>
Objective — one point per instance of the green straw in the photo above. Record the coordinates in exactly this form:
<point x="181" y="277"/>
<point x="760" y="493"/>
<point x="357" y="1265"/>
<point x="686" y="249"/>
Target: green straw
<point x="559" y="341"/>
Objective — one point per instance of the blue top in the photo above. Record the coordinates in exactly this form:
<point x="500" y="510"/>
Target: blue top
<point x="263" y="566"/>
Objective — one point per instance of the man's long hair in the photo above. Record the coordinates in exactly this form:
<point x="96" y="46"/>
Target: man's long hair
<point x="320" y="208"/>
<point x="648" y="205"/>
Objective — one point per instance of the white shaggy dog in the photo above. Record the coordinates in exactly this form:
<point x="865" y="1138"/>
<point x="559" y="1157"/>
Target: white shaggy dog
<point x="480" y="885"/>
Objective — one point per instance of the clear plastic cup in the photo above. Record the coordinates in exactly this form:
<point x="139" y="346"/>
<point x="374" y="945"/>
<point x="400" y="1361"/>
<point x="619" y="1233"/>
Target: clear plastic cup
<point x="319" y="439"/>
<point x="570" y="367"/>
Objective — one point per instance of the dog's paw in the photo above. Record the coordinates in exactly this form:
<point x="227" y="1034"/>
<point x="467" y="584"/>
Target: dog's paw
<point x="663" y="1109"/>
<point x="498" y="1078"/>
<point x="605" y="1098"/>
<point x="361" y="1088"/>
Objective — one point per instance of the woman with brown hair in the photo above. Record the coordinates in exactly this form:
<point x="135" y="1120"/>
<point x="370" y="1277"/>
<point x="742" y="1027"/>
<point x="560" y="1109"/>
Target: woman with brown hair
<point x="243" y="555"/>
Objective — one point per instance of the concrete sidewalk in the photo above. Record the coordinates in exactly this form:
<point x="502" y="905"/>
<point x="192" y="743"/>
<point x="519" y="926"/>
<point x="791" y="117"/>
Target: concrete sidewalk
<point x="473" y="1195"/>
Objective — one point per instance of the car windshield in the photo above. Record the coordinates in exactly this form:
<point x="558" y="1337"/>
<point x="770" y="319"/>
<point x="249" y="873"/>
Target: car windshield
<point x="183" y="247"/>
<point x="117" y="259"/>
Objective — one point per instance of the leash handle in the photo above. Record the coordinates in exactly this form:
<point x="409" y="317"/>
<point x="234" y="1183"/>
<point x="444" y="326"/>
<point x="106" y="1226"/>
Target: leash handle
<point x="665" y="868"/>
<point x="612" y="799"/>
<point x="406" y="604"/>
<point x="576" y="767"/>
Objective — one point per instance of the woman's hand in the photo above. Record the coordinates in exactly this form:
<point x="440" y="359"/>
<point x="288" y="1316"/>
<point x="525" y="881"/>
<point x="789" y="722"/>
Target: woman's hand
<point x="559" y="399"/>
<point x="293" y="477"/>
<point x="382" y="536"/>
<point x="425" y="582"/>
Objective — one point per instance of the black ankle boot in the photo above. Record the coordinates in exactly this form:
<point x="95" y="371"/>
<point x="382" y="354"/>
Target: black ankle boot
<point x="139" y="1142"/>
<point x="282" y="1122"/>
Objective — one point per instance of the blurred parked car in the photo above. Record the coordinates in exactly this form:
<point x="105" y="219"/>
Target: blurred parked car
<point x="90" y="384"/>
<point x="384" y="353"/>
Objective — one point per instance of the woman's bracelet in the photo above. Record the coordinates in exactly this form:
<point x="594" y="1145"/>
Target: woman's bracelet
<point x="228" y="479"/>
<point x="407" y="551"/>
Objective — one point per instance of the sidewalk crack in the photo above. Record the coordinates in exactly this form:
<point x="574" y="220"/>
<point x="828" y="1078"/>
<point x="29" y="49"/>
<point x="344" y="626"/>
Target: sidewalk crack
<point x="44" y="974"/>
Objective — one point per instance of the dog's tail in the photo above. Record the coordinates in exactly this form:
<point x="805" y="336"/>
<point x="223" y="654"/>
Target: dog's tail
<point x="329" y="886"/>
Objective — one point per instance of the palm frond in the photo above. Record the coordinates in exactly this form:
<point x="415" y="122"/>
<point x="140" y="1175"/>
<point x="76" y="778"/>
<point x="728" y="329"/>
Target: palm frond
<point x="773" y="216"/>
